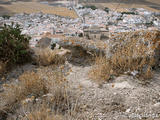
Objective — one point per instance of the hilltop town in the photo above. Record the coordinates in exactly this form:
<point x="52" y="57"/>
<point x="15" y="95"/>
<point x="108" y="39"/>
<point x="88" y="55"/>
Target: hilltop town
<point x="90" y="24"/>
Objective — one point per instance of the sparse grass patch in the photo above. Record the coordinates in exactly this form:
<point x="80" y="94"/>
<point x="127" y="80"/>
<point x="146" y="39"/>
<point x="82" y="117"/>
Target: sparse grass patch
<point x="101" y="70"/>
<point x="48" y="56"/>
<point x="46" y="93"/>
<point x="42" y="112"/>
<point x="6" y="16"/>
<point x="33" y="84"/>
<point x="125" y="59"/>
<point x="29" y="83"/>
<point x="61" y="99"/>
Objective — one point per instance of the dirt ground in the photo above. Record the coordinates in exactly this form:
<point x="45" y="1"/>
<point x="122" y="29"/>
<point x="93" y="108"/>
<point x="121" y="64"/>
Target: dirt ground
<point x="30" y="6"/>
<point x="34" y="7"/>
<point x="124" y="98"/>
<point x="121" y="5"/>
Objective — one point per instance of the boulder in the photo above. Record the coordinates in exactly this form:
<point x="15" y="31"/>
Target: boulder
<point x="47" y="43"/>
<point x="141" y="42"/>
<point x="46" y="52"/>
<point x="44" y="42"/>
<point x="132" y="45"/>
<point x="92" y="46"/>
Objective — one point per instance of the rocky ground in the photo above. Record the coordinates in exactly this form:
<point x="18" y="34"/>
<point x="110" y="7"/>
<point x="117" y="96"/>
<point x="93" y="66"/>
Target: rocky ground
<point x="123" y="98"/>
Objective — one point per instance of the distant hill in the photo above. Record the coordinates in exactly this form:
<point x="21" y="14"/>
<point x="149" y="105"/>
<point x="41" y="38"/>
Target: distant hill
<point x="143" y="2"/>
<point x="153" y="5"/>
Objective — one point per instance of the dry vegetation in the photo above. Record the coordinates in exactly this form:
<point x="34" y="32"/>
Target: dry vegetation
<point x="48" y="56"/>
<point x="2" y="67"/>
<point x="125" y="59"/>
<point x="121" y="7"/>
<point x="46" y="89"/>
<point x="42" y="112"/>
<point x="45" y="84"/>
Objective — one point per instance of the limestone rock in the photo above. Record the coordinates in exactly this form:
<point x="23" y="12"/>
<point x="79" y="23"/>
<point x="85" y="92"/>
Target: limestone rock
<point x="44" y="42"/>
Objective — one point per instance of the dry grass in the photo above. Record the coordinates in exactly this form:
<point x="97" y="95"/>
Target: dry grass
<point x="101" y="70"/>
<point x="127" y="58"/>
<point x="47" y="57"/>
<point x="123" y="7"/>
<point x="35" y="7"/>
<point x="61" y="98"/>
<point x="42" y="112"/>
<point x="124" y="59"/>
<point x="2" y="67"/>
<point x="33" y="84"/>
<point x="30" y="83"/>
<point x="48" y="86"/>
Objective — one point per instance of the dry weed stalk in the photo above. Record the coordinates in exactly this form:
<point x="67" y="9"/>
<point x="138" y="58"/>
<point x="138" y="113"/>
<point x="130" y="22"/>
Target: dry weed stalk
<point x="126" y="58"/>
<point x="47" y="85"/>
<point x="29" y="84"/>
<point x="102" y="70"/>
<point x="42" y="112"/>
<point x="33" y="84"/>
<point x="48" y="56"/>
<point x="2" y="67"/>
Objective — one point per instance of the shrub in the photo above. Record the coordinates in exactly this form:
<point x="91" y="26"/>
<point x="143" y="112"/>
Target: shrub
<point x="129" y="13"/>
<point x="125" y="58"/>
<point x="6" y="16"/>
<point x="101" y="70"/>
<point x="91" y="6"/>
<point x="48" y="56"/>
<point x="30" y="83"/>
<point x="106" y="9"/>
<point x="33" y="84"/>
<point x="13" y="45"/>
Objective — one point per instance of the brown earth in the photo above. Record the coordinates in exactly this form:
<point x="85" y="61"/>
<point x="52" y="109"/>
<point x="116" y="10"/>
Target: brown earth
<point x="34" y="7"/>
<point x="121" y="5"/>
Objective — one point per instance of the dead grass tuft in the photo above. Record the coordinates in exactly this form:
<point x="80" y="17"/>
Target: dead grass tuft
<point x="32" y="84"/>
<point x="47" y="57"/>
<point x="124" y="59"/>
<point x="101" y="70"/>
<point x="46" y="93"/>
<point x="42" y="112"/>
<point x="61" y="99"/>
<point x="2" y="67"/>
<point x="29" y="83"/>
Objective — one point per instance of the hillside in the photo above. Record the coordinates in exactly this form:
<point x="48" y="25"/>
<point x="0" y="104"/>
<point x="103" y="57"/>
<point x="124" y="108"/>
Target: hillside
<point x="34" y="7"/>
<point x="121" y="5"/>
<point x="72" y="62"/>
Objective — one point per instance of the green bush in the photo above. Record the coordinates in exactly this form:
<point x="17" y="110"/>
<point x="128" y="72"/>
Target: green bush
<point x="6" y="16"/>
<point x="129" y="13"/>
<point x="106" y="9"/>
<point x="91" y="6"/>
<point x="13" y="45"/>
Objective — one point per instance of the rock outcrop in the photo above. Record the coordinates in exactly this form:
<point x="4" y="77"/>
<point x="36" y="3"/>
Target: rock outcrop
<point x="147" y="42"/>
